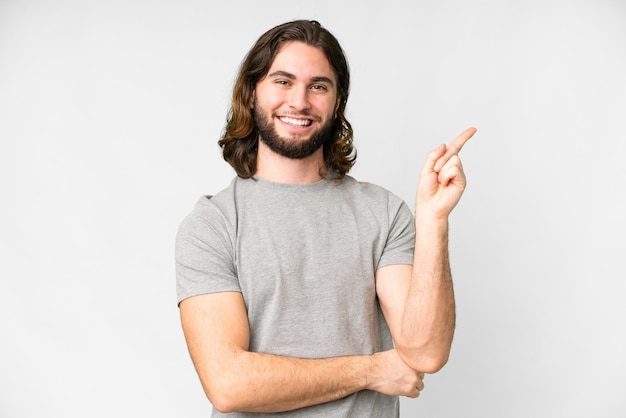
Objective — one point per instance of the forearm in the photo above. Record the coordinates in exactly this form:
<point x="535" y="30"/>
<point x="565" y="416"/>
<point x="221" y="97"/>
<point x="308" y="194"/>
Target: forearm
<point x="257" y="382"/>
<point x="235" y="379"/>
<point x="428" y="320"/>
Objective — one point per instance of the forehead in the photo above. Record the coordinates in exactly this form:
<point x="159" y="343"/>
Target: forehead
<point x="302" y="60"/>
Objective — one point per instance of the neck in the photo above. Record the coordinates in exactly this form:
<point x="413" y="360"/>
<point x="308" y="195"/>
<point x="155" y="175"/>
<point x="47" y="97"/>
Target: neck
<point x="279" y="169"/>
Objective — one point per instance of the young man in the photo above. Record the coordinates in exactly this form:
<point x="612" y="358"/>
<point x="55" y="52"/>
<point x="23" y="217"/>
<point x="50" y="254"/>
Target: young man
<point x="301" y="289"/>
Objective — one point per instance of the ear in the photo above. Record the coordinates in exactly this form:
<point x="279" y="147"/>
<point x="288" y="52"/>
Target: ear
<point x="252" y="97"/>
<point x="337" y="106"/>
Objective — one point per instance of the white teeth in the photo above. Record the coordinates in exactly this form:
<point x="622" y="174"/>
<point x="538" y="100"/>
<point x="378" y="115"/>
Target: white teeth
<point x="298" y="122"/>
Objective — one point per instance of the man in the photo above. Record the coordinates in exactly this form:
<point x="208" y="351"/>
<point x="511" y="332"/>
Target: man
<point x="301" y="289"/>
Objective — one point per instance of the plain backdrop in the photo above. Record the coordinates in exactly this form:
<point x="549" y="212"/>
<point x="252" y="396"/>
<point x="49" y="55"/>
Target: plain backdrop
<point x="109" y="116"/>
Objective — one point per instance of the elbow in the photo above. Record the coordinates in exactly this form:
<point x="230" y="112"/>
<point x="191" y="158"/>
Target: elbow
<point x="223" y="404"/>
<point x="422" y="360"/>
<point x="224" y="394"/>
<point x="224" y="401"/>
<point x="428" y="365"/>
<point x="434" y="365"/>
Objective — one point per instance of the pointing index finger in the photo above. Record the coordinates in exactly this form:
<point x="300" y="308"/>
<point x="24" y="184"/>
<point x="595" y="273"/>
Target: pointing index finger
<point x="454" y="147"/>
<point x="460" y="140"/>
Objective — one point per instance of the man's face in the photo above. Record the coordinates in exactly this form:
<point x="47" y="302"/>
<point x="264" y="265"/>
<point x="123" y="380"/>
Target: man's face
<point x="295" y="104"/>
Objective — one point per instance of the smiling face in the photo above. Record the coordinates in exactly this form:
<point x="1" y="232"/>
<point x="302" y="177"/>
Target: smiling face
<point x="294" y="105"/>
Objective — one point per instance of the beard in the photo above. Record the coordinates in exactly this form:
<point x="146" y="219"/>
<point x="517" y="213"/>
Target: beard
<point x="290" y="148"/>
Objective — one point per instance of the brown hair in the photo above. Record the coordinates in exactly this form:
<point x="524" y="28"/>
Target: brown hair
<point x="240" y="138"/>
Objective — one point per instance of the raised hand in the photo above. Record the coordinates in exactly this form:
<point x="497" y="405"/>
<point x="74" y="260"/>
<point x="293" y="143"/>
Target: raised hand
<point x="442" y="180"/>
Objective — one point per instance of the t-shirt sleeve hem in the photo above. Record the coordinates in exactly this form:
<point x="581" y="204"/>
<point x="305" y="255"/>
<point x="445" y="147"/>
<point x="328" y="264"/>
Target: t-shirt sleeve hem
<point x="182" y="296"/>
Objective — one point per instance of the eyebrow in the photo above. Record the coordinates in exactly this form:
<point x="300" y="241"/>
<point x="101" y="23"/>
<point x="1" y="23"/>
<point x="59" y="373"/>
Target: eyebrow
<point x="316" y="79"/>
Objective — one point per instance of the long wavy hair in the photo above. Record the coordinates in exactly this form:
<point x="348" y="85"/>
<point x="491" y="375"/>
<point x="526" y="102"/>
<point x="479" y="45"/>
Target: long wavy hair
<point x="240" y="138"/>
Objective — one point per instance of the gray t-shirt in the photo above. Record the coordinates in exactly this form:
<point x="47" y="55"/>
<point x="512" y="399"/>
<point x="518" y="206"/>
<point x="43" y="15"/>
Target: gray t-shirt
<point x="304" y="259"/>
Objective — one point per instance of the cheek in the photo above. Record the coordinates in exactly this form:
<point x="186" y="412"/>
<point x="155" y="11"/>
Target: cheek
<point x="271" y="102"/>
<point x="329" y="108"/>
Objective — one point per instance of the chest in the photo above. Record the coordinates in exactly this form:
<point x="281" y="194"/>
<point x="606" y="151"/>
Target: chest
<point x="296" y="251"/>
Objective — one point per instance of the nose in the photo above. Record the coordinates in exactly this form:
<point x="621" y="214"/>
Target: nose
<point x="299" y="98"/>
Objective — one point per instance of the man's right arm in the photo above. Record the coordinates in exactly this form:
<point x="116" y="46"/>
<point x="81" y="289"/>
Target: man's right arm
<point x="235" y="379"/>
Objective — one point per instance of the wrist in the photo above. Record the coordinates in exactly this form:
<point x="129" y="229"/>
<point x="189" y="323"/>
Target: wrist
<point x="431" y="234"/>
<point x="376" y="365"/>
<point x="427" y="212"/>
<point x="430" y="223"/>
<point x="369" y="365"/>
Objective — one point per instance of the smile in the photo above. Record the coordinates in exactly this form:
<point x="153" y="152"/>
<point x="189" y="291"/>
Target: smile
<point x="296" y="122"/>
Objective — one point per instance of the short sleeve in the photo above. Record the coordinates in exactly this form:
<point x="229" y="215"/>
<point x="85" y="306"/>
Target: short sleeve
<point x="204" y="254"/>
<point x="401" y="236"/>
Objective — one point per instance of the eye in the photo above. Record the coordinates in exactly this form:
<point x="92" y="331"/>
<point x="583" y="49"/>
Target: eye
<point x="319" y="87"/>
<point x="282" y="82"/>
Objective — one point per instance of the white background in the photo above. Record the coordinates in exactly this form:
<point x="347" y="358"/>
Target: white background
<point x="109" y="116"/>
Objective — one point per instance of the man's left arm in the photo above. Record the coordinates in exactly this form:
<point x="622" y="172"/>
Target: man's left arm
<point x="418" y="301"/>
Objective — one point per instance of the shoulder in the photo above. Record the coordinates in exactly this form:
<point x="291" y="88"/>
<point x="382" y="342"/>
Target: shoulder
<point x="221" y="203"/>
<point x="212" y="214"/>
